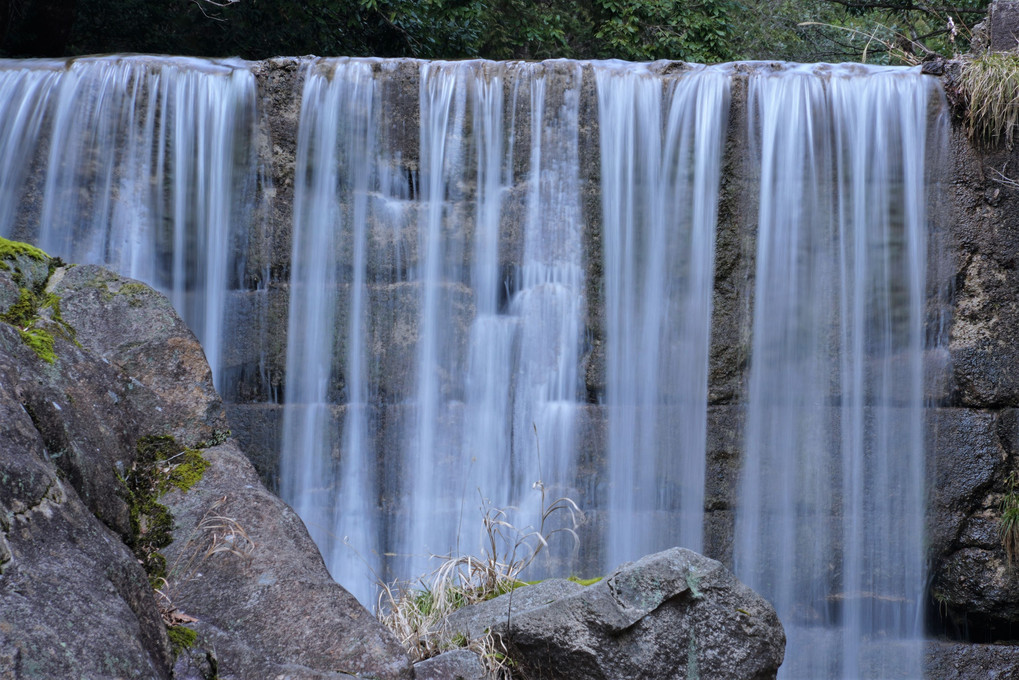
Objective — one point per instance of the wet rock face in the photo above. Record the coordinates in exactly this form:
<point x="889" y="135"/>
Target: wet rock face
<point x="675" y="614"/>
<point x="241" y="570"/>
<point x="973" y="436"/>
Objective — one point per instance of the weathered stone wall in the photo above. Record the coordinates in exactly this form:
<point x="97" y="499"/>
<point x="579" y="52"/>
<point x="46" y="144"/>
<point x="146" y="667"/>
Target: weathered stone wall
<point x="972" y="418"/>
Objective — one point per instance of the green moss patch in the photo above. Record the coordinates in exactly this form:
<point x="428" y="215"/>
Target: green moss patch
<point x="10" y="250"/>
<point x="37" y="318"/>
<point x="36" y="314"/>
<point x="161" y="465"/>
<point x="40" y="342"/>
<point x="181" y="638"/>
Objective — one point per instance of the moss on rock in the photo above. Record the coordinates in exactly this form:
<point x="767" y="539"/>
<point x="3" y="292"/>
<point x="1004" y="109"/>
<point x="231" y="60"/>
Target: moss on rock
<point x="161" y="465"/>
<point x="40" y="342"/>
<point x="181" y="638"/>
<point x="10" y="250"/>
<point x="36" y="314"/>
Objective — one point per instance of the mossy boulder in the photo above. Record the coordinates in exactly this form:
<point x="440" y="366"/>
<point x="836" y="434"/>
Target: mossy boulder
<point x="101" y="475"/>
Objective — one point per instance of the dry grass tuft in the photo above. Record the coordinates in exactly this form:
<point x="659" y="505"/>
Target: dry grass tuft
<point x="990" y="83"/>
<point x="215" y="534"/>
<point x="415" y="612"/>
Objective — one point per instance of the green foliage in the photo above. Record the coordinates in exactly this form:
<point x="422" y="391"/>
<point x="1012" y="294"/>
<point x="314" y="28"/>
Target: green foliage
<point x="884" y="31"/>
<point x="990" y="84"/>
<point x="874" y="31"/>
<point x="643" y="30"/>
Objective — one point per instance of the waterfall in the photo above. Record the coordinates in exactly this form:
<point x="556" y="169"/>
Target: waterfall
<point x="500" y="279"/>
<point x="831" y="503"/>
<point x="100" y="153"/>
<point x="338" y="183"/>
<point x="661" y="153"/>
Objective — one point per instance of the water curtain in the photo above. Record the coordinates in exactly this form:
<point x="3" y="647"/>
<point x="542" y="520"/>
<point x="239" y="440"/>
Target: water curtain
<point x="500" y="274"/>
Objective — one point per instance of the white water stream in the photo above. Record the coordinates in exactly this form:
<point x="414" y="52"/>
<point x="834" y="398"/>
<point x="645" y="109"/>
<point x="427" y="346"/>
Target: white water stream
<point x="144" y="164"/>
<point x="514" y="281"/>
<point x="830" y="518"/>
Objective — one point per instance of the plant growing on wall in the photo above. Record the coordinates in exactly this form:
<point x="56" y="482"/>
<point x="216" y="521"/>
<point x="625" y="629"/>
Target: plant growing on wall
<point x="990" y="85"/>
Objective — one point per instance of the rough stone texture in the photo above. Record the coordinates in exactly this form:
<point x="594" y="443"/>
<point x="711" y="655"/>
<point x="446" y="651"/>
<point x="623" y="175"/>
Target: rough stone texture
<point x="279" y="85"/>
<point x="1004" y="26"/>
<point x="257" y="429"/>
<point x="984" y="219"/>
<point x="458" y="664"/>
<point x="968" y="460"/>
<point x="265" y="602"/>
<point x="675" y="614"/>
<point x="735" y="255"/>
<point x="721" y="479"/>
<point x="476" y="620"/>
<point x="74" y="601"/>
<point x="958" y="661"/>
<point x="134" y="327"/>
<point x="974" y="443"/>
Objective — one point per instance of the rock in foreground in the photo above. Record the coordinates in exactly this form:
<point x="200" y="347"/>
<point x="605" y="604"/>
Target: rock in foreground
<point x="674" y="614"/>
<point x="94" y="368"/>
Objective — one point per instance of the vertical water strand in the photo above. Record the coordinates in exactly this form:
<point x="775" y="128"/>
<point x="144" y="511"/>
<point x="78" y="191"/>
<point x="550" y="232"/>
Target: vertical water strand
<point x="354" y="559"/>
<point x="25" y="96"/>
<point x="224" y="181"/>
<point x="616" y="111"/>
<point x="338" y="165"/>
<point x="181" y="156"/>
<point x="661" y="143"/>
<point x="82" y="148"/>
<point x="549" y="303"/>
<point x="306" y="472"/>
<point x="135" y="212"/>
<point x="699" y="109"/>
<point x="830" y="521"/>
<point x="783" y="545"/>
<point x="883" y="217"/>
<point x="208" y="169"/>
<point x="487" y="440"/>
<point x="428" y="448"/>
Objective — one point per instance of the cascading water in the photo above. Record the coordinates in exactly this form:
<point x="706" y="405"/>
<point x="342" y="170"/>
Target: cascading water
<point x="125" y="146"/>
<point x="335" y="185"/>
<point x="490" y="352"/>
<point x="830" y="516"/>
<point x="661" y="153"/>
<point x="457" y="264"/>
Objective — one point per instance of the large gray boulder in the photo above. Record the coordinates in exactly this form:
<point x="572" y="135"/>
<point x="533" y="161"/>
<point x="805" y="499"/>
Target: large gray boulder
<point x="674" y="614"/>
<point x="74" y="599"/>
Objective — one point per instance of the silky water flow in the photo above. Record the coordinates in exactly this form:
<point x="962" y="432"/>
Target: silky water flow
<point x="511" y="281"/>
